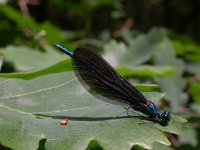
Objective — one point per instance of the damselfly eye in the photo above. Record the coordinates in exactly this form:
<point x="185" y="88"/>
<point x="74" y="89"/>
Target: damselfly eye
<point x="165" y="117"/>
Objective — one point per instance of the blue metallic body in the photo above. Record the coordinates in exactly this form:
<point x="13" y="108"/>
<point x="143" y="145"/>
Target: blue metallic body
<point x="152" y="110"/>
<point x="66" y="51"/>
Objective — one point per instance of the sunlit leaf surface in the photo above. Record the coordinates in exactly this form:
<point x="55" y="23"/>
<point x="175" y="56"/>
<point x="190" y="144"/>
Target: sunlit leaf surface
<point x="32" y="109"/>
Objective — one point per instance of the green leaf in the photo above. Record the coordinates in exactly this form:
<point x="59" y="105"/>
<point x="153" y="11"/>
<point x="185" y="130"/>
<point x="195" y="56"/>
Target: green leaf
<point x="139" y="50"/>
<point x="137" y="71"/>
<point x="142" y="48"/>
<point x="94" y="145"/>
<point x="174" y="84"/>
<point x="189" y="135"/>
<point x="193" y="57"/>
<point x="113" y="52"/>
<point x="145" y="71"/>
<point x="59" y="67"/>
<point x="30" y="111"/>
<point x="1" y="61"/>
<point x="193" y="68"/>
<point x="51" y="32"/>
<point x="196" y="108"/>
<point x="26" y="59"/>
<point x="186" y="47"/>
<point x="194" y="91"/>
<point x="158" y="146"/>
<point x="147" y="87"/>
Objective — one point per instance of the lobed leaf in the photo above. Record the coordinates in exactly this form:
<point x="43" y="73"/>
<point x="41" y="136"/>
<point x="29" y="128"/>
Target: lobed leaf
<point x="30" y="111"/>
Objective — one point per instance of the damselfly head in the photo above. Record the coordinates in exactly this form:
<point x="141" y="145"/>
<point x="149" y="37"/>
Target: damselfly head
<point x="164" y="118"/>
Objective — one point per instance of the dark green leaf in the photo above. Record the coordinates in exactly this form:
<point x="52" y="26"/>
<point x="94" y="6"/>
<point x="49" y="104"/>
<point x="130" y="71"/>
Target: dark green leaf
<point x="59" y="67"/>
<point x="145" y="71"/>
<point x="1" y="61"/>
<point x="147" y="87"/>
<point x="51" y="32"/>
<point x="194" y="91"/>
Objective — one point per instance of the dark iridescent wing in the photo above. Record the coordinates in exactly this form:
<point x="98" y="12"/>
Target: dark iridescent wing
<point x="99" y="78"/>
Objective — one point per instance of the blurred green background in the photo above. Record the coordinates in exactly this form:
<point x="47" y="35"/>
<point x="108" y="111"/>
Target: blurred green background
<point x="152" y="42"/>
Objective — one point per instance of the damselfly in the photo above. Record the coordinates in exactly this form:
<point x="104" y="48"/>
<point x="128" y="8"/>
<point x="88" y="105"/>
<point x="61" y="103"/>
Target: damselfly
<point x="99" y="78"/>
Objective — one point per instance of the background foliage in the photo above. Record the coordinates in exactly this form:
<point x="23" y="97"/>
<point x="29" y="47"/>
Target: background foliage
<point x="155" y="43"/>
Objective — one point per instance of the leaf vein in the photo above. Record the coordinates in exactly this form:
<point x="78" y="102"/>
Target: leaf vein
<point x="38" y="91"/>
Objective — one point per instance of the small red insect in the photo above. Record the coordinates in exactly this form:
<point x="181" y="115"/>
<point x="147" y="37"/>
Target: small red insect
<point x="64" y="122"/>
